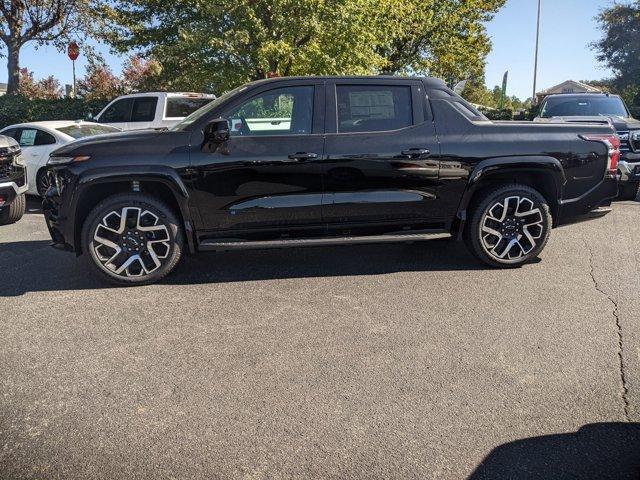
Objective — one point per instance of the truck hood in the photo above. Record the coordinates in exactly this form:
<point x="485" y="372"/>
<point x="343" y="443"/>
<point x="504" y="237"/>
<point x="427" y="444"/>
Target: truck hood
<point x="619" y="123"/>
<point x="88" y="145"/>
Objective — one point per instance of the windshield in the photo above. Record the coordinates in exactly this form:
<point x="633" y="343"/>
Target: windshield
<point x="84" y="130"/>
<point x="583" y="107"/>
<point x="195" y="116"/>
<point x="180" y="107"/>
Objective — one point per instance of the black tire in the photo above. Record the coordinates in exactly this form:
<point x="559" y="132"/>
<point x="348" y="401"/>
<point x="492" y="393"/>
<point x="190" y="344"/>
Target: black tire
<point x="15" y="211"/>
<point x="42" y="182"/>
<point x="147" y="207"/>
<point x="513" y="228"/>
<point x="629" y="190"/>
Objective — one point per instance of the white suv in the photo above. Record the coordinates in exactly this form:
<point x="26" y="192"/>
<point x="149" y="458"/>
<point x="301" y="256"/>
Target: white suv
<point x="151" y="110"/>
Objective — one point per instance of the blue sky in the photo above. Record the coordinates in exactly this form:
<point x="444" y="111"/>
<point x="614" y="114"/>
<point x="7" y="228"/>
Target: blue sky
<point x="567" y="27"/>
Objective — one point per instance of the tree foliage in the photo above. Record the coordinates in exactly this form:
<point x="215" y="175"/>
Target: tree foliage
<point x="19" y="109"/>
<point x="40" y="21"/>
<point x="46" y="88"/>
<point x="99" y="82"/>
<point x="479" y="94"/>
<point x="214" y="46"/>
<point x="619" y="48"/>
<point x="138" y="74"/>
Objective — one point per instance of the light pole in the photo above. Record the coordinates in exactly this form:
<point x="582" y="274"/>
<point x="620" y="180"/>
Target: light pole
<point x="535" y="66"/>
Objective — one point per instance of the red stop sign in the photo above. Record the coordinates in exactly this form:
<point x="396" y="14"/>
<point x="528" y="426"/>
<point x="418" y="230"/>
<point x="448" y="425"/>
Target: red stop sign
<point x="73" y="51"/>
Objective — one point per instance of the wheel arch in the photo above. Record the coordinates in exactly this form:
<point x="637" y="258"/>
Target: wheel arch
<point x="164" y="184"/>
<point x="542" y="173"/>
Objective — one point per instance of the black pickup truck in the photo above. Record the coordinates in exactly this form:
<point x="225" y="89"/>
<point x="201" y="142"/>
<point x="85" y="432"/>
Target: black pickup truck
<point x="601" y="108"/>
<point x="321" y="161"/>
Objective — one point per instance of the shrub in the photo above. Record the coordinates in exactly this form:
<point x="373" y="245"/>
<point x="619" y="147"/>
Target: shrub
<point x="18" y="109"/>
<point x="504" y="114"/>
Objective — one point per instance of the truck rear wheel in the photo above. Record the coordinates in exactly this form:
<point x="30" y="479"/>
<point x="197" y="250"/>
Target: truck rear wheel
<point x="13" y="212"/>
<point x="509" y="226"/>
<point x="132" y="239"/>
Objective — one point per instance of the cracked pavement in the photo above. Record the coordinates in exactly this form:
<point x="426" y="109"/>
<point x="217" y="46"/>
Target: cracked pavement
<point x="381" y="361"/>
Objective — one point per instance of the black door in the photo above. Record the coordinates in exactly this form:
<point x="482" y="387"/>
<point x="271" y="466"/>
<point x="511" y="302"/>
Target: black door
<point x="381" y="158"/>
<point x="266" y="179"/>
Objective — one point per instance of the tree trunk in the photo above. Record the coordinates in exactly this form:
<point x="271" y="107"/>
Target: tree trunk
<point x="13" y="67"/>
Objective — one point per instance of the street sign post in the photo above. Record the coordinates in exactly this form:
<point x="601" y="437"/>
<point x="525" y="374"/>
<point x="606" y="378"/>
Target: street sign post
<point x="73" y="51"/>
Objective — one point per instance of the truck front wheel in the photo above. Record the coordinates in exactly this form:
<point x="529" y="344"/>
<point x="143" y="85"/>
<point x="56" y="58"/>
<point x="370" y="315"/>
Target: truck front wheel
<point x="13" y="212"/>
<point x="132" y="239"/>
<point x="509" y="226"/>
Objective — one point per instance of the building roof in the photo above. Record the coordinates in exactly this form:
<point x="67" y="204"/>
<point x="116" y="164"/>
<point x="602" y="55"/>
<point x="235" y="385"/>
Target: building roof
<point x="569" y="85"/>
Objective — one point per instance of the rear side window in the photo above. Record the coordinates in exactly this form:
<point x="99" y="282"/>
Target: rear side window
<point x="180" y="107"/>
<point x="119" y="111"/>
<point x="373" y="108"/>
<point x="144" y="109"/>
<point x="44" y="138"/>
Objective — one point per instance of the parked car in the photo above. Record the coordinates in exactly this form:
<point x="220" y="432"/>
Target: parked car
<point x="39" y="139"/>
<point x="593" y="107"/>
<point x="358" y="160"/>
<point x="151" y="110"/>
<point x="13" y="181"/>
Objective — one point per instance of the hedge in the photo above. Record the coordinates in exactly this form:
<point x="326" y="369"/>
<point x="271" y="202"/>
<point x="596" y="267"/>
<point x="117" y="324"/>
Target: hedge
<point x="18" y="109"/>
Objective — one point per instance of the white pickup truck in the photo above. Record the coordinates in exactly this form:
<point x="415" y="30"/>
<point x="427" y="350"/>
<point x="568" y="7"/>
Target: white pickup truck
<point x="151" y="110"/>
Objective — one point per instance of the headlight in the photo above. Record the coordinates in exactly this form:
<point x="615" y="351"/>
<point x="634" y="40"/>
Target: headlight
<point x="19" y="160"/>
<point x="55" y="160"/>
<point x="634" y="140"/>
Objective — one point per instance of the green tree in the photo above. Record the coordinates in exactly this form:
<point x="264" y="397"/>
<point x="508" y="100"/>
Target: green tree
<point x="442" y="38"/>
<point x="213" y="46"/>
<point x="619" y="48"/>
<point x="39" y="21"/>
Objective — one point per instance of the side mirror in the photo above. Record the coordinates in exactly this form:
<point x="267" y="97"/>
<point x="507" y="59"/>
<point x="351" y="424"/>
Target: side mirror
<point x="217" y="131"/>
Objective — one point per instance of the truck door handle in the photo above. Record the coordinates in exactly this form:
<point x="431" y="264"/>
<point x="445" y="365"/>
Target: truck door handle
<point x="302" y="156"/>
<point x="416" y="152"/>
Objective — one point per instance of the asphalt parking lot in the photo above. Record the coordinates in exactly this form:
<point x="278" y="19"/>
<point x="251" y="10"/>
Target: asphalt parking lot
<point x="390" y="361"/>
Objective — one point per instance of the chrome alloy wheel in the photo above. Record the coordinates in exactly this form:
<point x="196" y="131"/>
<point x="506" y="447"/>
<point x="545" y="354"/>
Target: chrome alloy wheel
<point x="511" y="228"/>
<point x="131" y="243"/>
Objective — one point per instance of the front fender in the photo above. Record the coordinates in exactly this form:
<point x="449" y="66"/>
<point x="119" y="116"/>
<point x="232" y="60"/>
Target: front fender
<point x="167" y="176"/>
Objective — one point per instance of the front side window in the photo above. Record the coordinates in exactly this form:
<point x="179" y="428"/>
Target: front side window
<point x="144" y="109"/>
<point x="117" y="112"/>
<point x="11" y="133"/>
<point x="373" y="108"/>
<point x="282" y="111"/>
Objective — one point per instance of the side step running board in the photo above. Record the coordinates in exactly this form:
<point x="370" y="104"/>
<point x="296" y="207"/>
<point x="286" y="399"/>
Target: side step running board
<point x="228" y="244"/>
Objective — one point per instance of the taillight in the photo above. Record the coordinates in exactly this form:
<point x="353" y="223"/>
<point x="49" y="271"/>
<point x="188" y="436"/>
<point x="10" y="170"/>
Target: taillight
<point x="613" y="144"/>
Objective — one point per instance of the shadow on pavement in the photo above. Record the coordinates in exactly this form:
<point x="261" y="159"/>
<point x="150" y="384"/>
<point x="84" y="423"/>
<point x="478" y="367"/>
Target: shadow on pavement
<point x="596" y="451"/>
<point x="34" y="266"/>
